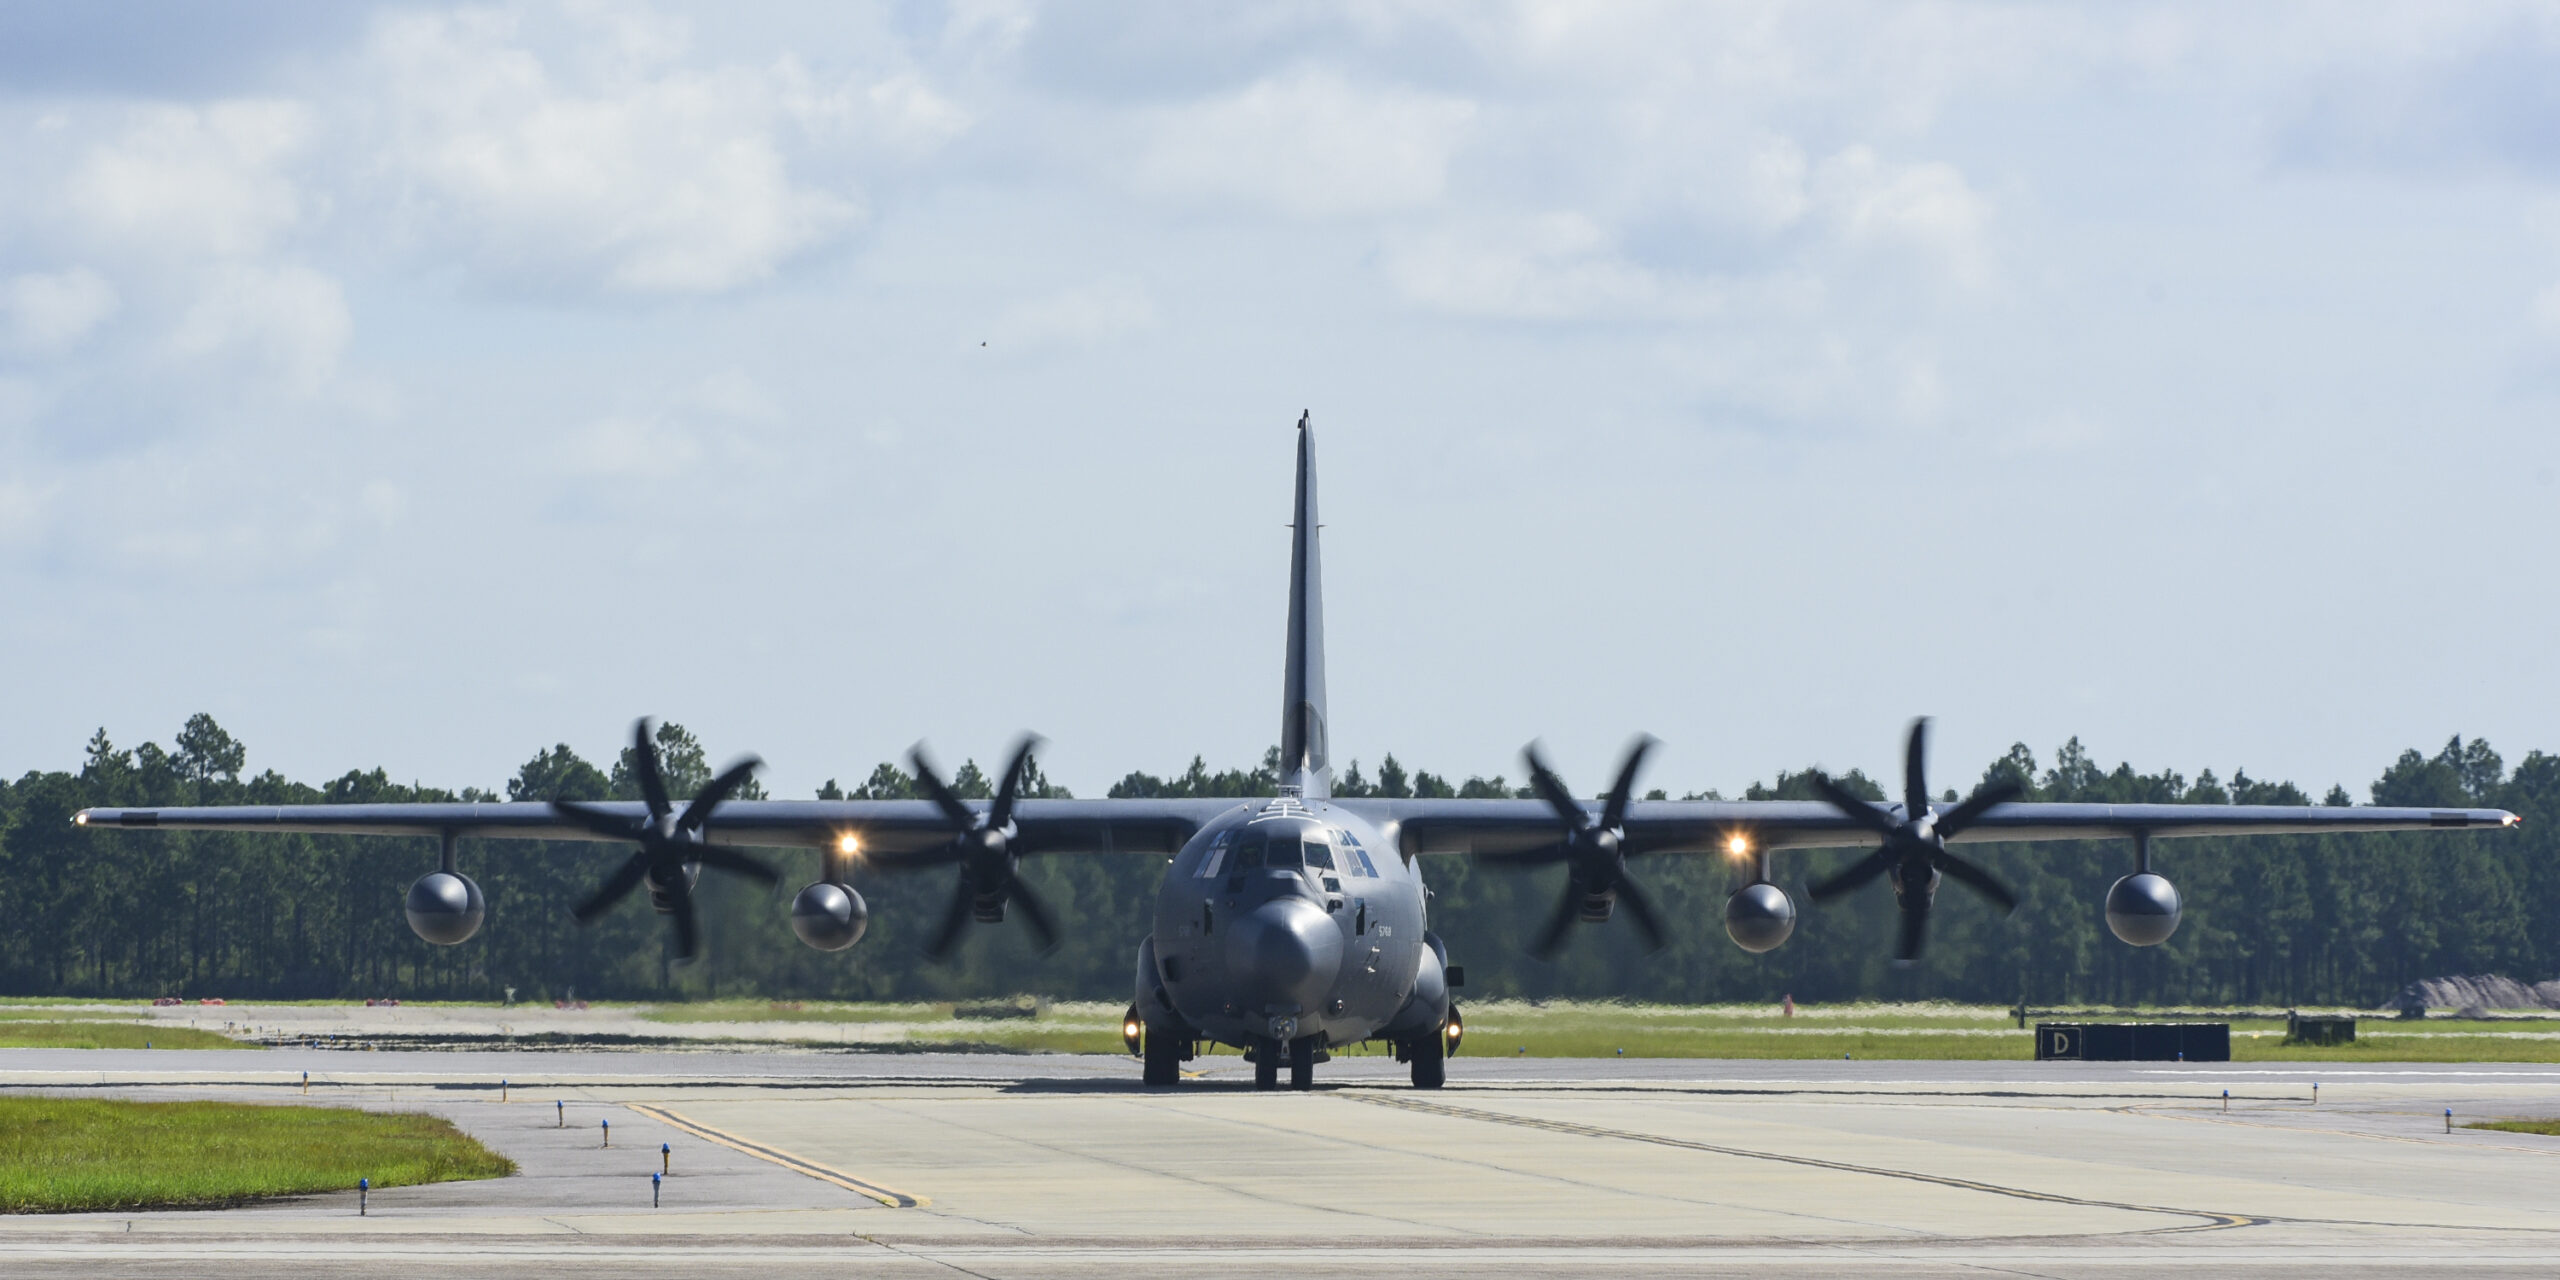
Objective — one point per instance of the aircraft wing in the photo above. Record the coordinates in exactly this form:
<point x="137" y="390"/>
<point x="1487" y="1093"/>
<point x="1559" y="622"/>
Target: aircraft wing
<point x="1157" y="826"/>
<point x="1652" y="826"/>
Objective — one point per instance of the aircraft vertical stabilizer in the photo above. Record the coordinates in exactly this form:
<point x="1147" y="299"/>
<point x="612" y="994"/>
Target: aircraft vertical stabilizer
<point x="1303" y="762"/>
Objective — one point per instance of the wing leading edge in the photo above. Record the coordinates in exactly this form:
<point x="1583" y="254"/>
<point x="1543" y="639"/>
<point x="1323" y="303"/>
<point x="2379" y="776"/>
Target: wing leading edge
<point x="1673" y="826"/>
<point x="884" y="826"/>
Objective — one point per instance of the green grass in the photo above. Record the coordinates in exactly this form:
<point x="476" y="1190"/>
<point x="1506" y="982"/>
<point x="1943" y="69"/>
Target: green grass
<point x="93" y="1034"/>
<point x="1599" y="1029"/>
<point x="2547" y="1128"/>
<point x="62" y="1155"/>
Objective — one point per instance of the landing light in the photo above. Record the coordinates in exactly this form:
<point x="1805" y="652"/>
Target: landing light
<point x="1739" y="846"/>
<point x="848" y="844"/>
<point x="80" y="819"/>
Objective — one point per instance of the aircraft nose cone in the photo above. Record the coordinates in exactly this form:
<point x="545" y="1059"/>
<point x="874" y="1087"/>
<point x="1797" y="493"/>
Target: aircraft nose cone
<point x="1284" y="953"/>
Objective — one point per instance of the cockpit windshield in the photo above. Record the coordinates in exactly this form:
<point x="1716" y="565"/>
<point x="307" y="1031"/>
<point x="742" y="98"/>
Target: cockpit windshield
<point x="1276" y="848"/>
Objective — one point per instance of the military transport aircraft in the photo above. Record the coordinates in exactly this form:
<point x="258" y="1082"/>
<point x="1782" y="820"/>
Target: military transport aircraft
<point x="1295" y="923"/>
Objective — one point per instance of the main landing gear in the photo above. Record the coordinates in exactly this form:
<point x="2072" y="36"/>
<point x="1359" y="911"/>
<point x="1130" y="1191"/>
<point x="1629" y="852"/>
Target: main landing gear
<point x="1428" y="1054"/>
<point x="1164" y="1058"/>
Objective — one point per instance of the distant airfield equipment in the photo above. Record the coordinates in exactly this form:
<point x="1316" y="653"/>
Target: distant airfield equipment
<point x="1296" y="924"/>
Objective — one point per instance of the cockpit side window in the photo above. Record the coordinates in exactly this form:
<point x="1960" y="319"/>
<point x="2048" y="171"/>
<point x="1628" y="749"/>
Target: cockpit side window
<point x="1213" y="858"/>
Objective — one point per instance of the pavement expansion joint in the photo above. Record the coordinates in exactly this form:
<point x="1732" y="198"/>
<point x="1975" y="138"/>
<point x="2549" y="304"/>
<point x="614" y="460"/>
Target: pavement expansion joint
<point x="2210" y="1220"/>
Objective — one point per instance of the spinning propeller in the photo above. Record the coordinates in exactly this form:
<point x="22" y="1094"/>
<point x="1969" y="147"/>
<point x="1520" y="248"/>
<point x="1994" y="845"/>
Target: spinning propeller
<point x="671" y="844"/>
<point x="982" y="845"/>
<point x="1595" y="865"/>
<point x="1914" y="851"/>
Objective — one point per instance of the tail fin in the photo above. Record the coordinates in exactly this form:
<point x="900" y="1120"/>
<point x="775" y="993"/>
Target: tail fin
<point x="1303" y="762"/>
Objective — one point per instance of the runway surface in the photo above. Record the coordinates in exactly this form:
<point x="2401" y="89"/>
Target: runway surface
<point x="1005" y="1166"/>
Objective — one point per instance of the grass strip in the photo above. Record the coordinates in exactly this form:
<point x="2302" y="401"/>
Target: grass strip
<point x="16" y="1034"/>
<point x="63" y="1155"/>
<point x="2547" y="1128"/>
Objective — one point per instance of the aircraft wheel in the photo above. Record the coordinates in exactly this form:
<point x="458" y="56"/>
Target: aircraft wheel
<point x="1266" y="1065"/>
<point x="1164" y="1058"/>
<point x="1430" y="1058"/>
<point x="1302" y="1063"/>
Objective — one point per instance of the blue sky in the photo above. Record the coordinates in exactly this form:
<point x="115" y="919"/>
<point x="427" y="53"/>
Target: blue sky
<point x="418" y="386"/>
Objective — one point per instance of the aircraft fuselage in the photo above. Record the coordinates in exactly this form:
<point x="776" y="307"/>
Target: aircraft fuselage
<point x="1287" y="919"/>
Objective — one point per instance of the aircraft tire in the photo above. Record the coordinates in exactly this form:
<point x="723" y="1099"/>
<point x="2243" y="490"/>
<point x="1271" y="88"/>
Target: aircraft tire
<point x="1266" y="1066"/>
<point x="1164" y="1058"/>
<point x="1430" y="1059"/>
<point x="1302" y="1063"/>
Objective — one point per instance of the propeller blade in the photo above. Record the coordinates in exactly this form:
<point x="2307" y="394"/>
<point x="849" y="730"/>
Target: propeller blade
<point x="1639" y="905"/>
<point x="723" y="858"/>
<point x="711" y="797"/>
<point x="1976" y="879"/>
<point x="1613" y="814"/>
<point x="1915" y="931"/>
<point x="1542" y="856"/>
<point x="1010" y="789"/>
<point x="607" y="825"/>
<point x="1915" y="771"/>
<point x="1984" y="798"/>
<point x="1853" y="808"/>
<point x="1552" y="789"/>
<point x="1859" y="872"/>
<point x="954" y="918"/>
<point x="960" y="815"/>
<point x="1552" y="936"/>
<point x="688" y="929"/>
<point x="644" y="766"/>
<point x="624" y="879"/>
<point x="1044" y="927"/>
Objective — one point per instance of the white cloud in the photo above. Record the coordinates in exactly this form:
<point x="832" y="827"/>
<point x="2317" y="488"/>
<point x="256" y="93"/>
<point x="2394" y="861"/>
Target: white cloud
<point x="1546" y="267"/>
<point x="48" y="313"/>
<point x="630" y="448"/>
<point x="1310" y="144"/>
<point x="1927" y="208"/>
<point x="192" y="182"/>
<point x="285" y="323"/>
<point x="646" y="178"/>
<point x="1084" y="317"/>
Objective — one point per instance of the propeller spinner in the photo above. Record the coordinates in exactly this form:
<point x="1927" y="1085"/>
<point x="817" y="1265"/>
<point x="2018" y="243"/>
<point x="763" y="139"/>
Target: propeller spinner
<point x="671" y="844"/>
<point x="1592" y="851"/>
<point x="982" y="845"/>
<point x="1914" y="848"/>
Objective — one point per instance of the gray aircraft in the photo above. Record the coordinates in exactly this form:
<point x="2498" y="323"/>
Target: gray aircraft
<point x="1290" y="925"/>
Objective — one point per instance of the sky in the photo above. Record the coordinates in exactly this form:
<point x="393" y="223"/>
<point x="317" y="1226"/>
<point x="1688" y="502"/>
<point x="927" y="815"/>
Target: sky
<point x="419" y="386"/>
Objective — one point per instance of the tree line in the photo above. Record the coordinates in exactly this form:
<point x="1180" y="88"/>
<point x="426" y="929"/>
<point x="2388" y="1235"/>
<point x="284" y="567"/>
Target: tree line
<point x="2269" y="920"/>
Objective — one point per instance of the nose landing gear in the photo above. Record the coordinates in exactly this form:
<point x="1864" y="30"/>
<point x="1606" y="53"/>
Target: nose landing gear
<point x="1301" y="1054"/>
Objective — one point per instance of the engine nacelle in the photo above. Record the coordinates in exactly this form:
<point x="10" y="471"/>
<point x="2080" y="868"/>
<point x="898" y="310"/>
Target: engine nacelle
<point x="829" y="916"/>
<point x="1759" y="917"/>
<point x="445" y="908"/>
<point x="2142" y="909"/>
